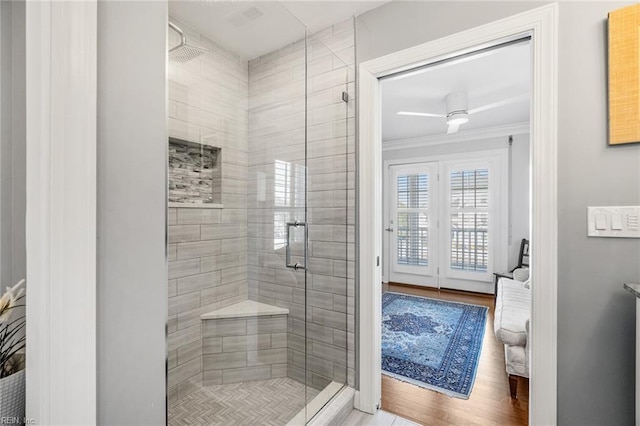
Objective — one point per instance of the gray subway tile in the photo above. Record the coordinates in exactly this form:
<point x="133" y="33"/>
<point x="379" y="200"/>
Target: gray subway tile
<point x="224" y="360"/>
<point x="198" y="249"/>
<point x="274" y="324"/>
<point x="198" y="216"/>
<point x="189" y="352"/>
<point x="183" y="268"/>
<point x="246" y="374"/>
<point x="329" y="318"/>
<point x="279" y="340"/>
<point x="267" y="356"/>
<point x="212" y="377"/>
<point x="183" y="337"/>
<point x="224" y="327"/>
<point x="198" y="282"/>
<point x="219" y="262"/>
<point x="278" y="370"/>
<point x="212" y="345"/>
<point x="184" y="371"/>
<point x="220" y="293"/>
<point x="182" y="303"/>
<point x="246" y="343"/>
<point x="218" y="232"/>
<point x="183" y="233"/>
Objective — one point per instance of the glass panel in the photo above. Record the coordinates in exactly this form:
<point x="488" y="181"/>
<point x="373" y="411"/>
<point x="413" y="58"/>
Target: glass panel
<point x="470" y="188"/>
<point x="469" y="220"/>
<point x="249" y="108"/>
<point x="412" y="219"/>
<point x="413" y="239"/>
<point x="413" y="191"/>
<point x="469" y="241"/>
<point x="330" y="200"/>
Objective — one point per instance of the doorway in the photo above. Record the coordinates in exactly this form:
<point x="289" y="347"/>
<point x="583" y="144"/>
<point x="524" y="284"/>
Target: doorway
<point x="540" y="24"/>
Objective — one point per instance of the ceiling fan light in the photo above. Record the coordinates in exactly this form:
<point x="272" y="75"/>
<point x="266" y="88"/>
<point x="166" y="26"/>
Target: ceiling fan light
<point x="457" y="118"/>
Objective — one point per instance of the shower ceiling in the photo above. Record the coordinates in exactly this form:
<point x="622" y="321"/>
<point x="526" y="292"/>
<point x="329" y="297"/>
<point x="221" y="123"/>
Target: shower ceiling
<point x="252" y="29"/>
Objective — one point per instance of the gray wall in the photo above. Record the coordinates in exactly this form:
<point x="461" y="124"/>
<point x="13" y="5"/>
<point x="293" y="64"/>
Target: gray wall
<point x="13" y="143"/>
<point x="132" y="269"/>
<point x="595" y="315"/>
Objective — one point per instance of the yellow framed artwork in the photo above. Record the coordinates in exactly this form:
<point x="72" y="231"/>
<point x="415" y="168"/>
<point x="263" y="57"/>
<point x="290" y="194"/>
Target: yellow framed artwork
<point x="624" y="75"/>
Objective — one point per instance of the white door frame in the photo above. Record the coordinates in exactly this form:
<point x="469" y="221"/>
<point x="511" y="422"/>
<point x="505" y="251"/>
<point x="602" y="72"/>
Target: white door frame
<point x="541" y="23"/>
<point x="61" y="78"/>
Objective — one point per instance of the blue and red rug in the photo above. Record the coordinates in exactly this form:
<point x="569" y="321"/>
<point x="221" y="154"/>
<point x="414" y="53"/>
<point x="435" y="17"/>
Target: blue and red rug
<point x="434" y="344"/>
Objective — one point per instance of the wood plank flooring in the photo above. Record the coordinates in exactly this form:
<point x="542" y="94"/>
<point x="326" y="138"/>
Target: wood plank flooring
<point x="489" y="403"/>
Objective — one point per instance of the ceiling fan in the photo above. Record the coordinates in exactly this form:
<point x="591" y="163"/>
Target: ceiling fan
<point x="457" y="112"/>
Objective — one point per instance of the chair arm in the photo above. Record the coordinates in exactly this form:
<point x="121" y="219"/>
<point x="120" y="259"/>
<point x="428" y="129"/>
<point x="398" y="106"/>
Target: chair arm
<point x="521" y="274"/>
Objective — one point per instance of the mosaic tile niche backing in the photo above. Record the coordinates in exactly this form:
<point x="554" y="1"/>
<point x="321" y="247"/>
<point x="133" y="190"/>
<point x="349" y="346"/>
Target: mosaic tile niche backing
<point x="194" y="173"/>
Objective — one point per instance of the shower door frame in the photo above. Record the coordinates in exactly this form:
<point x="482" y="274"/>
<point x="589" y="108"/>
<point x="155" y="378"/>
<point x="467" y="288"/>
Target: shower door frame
<point x="542" y="25"/>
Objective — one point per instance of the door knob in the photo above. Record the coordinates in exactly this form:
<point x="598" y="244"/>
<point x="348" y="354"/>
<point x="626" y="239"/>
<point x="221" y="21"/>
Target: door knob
<point x="388" y="229"/>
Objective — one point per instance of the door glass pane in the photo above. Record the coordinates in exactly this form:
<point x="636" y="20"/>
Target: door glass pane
<point x="469" y="220"/>
<point x="412" y="219"/>
<point x="413" y="239"/>
<point x="469" y="241"/>
<point x="413" y="191"/>
<point x="470" y="188"/>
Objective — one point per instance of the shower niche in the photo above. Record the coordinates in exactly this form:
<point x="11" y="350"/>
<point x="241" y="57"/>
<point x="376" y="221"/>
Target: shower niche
<point x="195" y="174"/>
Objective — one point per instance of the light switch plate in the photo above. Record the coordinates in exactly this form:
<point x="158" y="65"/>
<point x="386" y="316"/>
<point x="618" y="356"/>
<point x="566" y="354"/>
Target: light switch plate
<point x="613" y="221"/>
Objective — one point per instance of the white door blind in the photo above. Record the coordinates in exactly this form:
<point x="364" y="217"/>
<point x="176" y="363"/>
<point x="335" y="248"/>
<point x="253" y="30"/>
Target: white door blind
<point x="469" y="220"/>
<point x="413" y="219"/>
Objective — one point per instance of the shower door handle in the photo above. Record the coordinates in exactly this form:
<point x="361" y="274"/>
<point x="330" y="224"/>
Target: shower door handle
<point x="296" y="266"/>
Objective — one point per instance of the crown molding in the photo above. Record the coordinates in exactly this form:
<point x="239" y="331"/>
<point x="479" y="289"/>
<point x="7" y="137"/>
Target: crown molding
<point x="463" y="136"/>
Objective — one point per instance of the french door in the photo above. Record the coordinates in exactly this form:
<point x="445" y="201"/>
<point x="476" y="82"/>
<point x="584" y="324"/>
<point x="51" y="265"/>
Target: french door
<point x="446" y="223"/>
<point x="413" y="225"/>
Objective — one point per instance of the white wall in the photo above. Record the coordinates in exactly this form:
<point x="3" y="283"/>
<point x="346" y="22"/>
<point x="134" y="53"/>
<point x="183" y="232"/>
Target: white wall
<point x="132" y="184"/>
<point x="520" y="196"/>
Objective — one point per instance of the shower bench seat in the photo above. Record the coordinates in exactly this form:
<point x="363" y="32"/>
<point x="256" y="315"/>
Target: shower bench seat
<point x="243" y="342"/>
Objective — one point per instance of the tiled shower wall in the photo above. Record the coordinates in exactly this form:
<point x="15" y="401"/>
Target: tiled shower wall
<point x="207" y="247"/>
<point x="276" y="196"/>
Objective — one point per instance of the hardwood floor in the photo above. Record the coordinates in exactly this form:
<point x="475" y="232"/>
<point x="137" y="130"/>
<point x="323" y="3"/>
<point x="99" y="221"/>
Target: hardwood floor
<point x="489" y="403"/>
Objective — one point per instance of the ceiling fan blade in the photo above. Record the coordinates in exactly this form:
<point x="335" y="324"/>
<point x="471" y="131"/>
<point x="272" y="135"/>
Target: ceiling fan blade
<point x="499" y="104"/>
<point x="421" y="114"/>
<point x="453" y="128"/>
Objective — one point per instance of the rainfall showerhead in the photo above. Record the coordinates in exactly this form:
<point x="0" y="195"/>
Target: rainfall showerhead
<point x="184" y="51"/>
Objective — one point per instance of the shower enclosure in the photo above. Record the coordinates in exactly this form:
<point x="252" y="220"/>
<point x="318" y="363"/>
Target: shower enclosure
<point x="261" y="215"/>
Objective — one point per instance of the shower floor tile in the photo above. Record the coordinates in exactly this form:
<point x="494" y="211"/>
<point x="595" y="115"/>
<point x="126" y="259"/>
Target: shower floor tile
<point x="264" y="402"/>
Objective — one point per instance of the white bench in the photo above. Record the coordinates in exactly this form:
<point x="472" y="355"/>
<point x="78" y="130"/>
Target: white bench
<point x="511" y="327"/>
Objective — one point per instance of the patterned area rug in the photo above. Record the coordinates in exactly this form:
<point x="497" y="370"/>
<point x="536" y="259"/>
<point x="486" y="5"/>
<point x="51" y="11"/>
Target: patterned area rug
<point x="434" y="344"/>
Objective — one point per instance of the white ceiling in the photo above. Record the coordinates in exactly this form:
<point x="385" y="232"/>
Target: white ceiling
<point x="489" y="77"/>
<point x="251" y="29"/>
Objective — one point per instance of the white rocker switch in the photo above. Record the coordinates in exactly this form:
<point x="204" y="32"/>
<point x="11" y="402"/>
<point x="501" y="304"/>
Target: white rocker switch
<point x="613" y="221"/>
<point x="616" y="222"/>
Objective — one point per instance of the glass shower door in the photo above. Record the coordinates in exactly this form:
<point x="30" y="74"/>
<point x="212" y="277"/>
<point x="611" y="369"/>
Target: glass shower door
<point x="330" y="164"/>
